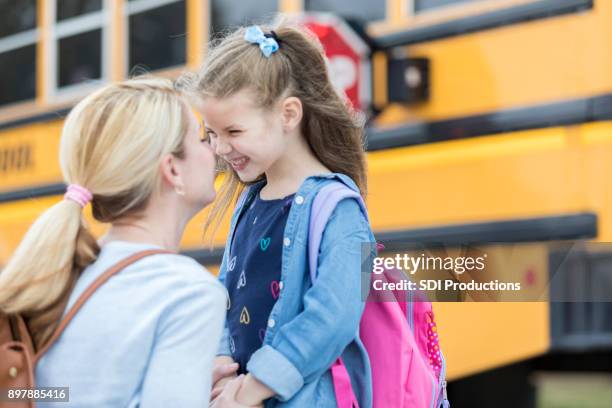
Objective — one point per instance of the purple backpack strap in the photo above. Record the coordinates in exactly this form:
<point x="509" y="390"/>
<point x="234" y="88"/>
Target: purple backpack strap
<point x="322" y="207"/>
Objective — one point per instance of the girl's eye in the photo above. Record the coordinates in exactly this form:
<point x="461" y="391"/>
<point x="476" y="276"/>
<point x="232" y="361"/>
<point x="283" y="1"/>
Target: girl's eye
<point x="235" y="132"/>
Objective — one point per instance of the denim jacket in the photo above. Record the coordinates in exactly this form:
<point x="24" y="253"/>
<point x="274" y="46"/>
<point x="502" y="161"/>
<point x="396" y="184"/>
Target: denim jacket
<point x="311" y="325"/>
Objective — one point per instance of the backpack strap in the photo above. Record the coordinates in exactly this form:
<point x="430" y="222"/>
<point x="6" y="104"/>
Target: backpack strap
<point x="110" y="272"/>
<point x="323" y="205"/>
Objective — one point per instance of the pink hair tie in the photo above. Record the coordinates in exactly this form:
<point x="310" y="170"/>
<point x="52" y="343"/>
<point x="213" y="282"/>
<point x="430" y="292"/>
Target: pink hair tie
<point x="78" y="194"/>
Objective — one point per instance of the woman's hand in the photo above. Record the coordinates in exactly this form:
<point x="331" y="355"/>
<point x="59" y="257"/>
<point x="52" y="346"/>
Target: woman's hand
<point x="227" y="398"/>
<point x="223" y="372"/>
<point x="253" y="392"/>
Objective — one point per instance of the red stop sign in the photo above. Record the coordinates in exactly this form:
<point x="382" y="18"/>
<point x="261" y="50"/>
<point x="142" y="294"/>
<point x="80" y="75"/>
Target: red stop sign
<point x="348" y="55"/>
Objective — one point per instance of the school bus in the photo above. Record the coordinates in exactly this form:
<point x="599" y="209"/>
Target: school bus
<point x="489" y="122"/>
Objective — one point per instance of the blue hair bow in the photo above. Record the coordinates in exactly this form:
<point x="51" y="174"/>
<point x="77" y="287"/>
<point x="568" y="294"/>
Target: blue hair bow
<point x="267" y="44"/>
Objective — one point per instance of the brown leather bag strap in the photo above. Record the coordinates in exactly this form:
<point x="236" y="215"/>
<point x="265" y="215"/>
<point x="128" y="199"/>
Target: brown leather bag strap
<point x="14" y="326"/>
<point x="113" y="270"/>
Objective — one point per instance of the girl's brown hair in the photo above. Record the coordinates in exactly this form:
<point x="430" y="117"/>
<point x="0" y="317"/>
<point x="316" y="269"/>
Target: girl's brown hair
<point x="297" y="69"/>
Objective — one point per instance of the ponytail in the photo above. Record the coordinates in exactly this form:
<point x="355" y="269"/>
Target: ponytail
<point x="40" y="275"/>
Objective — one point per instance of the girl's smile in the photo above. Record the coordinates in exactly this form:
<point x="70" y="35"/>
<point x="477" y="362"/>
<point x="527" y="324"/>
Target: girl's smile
<point x="238" y="164"/>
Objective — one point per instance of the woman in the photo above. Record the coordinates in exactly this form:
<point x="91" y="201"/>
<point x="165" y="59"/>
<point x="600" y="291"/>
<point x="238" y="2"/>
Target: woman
<point x="146" y="337"/>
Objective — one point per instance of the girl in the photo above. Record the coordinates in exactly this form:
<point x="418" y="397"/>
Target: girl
<point x="149" y="334"/>
<point x="272" y="114"/>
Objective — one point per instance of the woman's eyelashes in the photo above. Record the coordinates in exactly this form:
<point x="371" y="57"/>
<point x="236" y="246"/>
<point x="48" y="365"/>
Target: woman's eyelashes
<point x="203" y="134"/>
<point x="209" y="135"/>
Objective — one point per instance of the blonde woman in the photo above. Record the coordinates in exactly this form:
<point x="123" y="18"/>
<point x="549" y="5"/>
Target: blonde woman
<point x="146" y="337"/>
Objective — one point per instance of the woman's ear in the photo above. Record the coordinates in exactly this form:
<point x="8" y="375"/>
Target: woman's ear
<point x="292" y="113"/>
<point x="171" y="174"/>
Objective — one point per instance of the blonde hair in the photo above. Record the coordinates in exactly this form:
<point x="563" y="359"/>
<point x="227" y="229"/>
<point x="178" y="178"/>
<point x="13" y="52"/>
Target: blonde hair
<point x="112" y="143"/>
<point x="299" y="69"/>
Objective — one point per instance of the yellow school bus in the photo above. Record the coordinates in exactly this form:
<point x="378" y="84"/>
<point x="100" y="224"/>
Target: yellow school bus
<point x="489" y="122"/>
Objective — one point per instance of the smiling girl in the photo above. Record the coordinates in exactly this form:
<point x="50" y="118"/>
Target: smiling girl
<point x="274" y="117"/>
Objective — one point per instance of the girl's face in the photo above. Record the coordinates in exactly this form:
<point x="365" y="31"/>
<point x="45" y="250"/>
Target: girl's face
<point x="198" y="166"/>
<point x="248" y="138"/>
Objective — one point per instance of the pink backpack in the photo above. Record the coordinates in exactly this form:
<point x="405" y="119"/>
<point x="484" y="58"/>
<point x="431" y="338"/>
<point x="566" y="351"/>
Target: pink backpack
<point x="408" y="369"/>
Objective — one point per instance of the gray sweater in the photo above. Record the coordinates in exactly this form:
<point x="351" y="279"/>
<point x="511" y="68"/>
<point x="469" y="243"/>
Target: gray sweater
<point x="146" y="338"/>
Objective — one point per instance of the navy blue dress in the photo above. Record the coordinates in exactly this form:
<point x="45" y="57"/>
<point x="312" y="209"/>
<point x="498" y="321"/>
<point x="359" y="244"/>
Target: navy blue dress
<point x="254" y="273"/>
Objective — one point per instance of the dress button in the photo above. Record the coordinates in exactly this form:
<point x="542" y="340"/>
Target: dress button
<point x="271" y="323"/>
<point x="299" y="199"/>
<point x="286" y="241"/>
<point x="280" y="285"/>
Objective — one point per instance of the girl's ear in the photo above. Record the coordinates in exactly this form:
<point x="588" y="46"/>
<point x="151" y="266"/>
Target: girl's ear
<point x="171" y="173"/>
<point x="292" y="112"/>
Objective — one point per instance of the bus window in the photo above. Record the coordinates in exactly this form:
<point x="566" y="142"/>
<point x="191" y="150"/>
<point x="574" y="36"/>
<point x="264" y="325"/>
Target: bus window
<point x="80" y="58"/>
<point x="157" y="35"/>
<point x="17" y="16"/>
<point x="73" y="8"/>
<point x="360" y="11"/>
<point x="18" y="37"/>
<point x="226" y="15"/>
<point x="78" y="39"/>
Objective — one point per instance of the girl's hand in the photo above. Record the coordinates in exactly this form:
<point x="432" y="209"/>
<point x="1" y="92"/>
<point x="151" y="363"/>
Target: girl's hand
<point x="253" y="392"/>
<point x="223" y="372"/>
<point x="227" y="399"/>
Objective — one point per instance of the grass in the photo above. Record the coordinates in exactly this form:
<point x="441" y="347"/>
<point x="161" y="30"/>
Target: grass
<point x="574" y="390"/>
